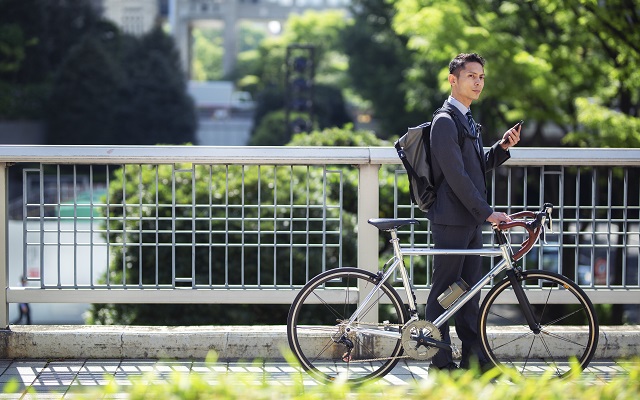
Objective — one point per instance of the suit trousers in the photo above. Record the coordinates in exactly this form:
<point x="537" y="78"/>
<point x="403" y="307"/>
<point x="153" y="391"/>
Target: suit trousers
<point x="447" y="270"/>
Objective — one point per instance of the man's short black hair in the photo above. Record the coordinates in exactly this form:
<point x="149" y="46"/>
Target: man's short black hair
<point x="463" y="58"/>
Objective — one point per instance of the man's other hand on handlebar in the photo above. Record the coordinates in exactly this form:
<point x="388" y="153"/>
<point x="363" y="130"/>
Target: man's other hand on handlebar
<point x="498" y="217"/>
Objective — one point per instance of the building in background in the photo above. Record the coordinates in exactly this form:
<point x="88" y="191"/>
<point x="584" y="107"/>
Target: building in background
<point x="182" y="15"/>
<point x="135" y="17"/>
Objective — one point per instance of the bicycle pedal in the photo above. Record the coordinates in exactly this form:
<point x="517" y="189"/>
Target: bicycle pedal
<point x="455" y="351"/>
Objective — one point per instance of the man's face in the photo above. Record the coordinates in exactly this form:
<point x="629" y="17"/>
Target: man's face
<point x="469" y="84"/>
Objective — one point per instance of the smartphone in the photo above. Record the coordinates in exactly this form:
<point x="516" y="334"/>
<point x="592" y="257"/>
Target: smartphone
<point x="516" y="126"/>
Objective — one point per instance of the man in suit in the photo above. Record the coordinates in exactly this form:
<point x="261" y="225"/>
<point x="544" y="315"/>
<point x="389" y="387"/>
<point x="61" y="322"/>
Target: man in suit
<point x="461" y="205"/>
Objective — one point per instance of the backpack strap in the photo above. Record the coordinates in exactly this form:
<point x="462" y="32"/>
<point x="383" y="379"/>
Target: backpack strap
<point x="456" y="121"/>
<point x="461" y="138"/>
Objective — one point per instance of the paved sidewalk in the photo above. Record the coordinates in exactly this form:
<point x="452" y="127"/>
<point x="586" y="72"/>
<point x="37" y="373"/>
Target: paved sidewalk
<point x="58" y="379"/>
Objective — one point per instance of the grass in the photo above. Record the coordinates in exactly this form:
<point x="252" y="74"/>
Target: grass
<point x="459" y="386"/>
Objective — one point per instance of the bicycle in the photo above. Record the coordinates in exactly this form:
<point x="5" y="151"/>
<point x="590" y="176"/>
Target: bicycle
<point x="351" y="322"/>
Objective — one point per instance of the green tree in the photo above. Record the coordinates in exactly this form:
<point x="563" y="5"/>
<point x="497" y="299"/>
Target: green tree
<point x="378" y="58"/>
<point x="207" y="54"/>
<point x="51" y="28"/>
<point x="271" y="129"/>
<point x="263" y="71"/>
<point x="541" y="55"/>
<point x="81" y="107"/>
<point x="155" y="106"/>
<point x="603" y="127"/>
<point x="123" y="90"/>
<point x="35" y="37"/>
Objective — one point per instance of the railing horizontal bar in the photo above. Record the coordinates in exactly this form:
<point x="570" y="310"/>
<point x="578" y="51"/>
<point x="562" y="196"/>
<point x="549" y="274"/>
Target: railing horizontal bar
<point x="256" y="296"/>
<point x="202" y="206"/>
<point x="155" y="296"/>
<point x="222" y="155"/>
<point x="245" y="155"/>
<point x="214" y="244"/>
<point x="188" y="232"/>
<point x="539" y="156"/>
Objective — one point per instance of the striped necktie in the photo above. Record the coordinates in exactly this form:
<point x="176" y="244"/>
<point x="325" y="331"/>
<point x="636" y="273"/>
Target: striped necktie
<point x="474" y="131"/>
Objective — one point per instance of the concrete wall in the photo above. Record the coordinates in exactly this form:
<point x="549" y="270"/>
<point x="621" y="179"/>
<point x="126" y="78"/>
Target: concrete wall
<point x="229" y="342"/>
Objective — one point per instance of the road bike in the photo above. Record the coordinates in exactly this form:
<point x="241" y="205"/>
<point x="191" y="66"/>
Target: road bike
<point x="353" y="323"/>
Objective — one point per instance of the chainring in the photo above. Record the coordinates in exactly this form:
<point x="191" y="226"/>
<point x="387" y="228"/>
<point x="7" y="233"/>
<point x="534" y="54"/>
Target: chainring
<point x="412" y="339"/>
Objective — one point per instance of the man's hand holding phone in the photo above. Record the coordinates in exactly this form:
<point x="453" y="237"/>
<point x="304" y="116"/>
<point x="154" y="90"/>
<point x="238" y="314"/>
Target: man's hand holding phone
<point x="512" y="136"/>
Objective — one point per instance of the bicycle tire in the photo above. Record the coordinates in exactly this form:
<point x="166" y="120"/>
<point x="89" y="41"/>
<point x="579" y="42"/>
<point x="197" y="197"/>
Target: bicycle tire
<point x="314" y="326"/>
<point x="568" y="323"/>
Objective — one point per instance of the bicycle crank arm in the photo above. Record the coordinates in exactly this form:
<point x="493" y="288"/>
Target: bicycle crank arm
<point x="431" y="342"/>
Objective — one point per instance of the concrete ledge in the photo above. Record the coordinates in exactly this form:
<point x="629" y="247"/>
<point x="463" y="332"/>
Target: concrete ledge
<point x="230" y="342"/>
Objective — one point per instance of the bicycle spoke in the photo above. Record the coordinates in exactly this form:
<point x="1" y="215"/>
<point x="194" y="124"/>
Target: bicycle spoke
<point x="329" y="307"/>
<point x="524" y="335"/>
<point x="564" y="339"/>
<point x="493" y="313"/>
<point x="526" y="360"/>
<point x="564" y="317"/>
<point x="555" y="364"/>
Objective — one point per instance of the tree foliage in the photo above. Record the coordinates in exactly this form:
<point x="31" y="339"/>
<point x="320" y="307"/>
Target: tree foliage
<point x="35" y="37"/>
<point x="378" y="58"/>
<point x="263" y="71"/>
<point x="88" y="81"/>
<point x="207" y="54"/>
<point x="124" y="90"/>
<point x="603" y="127"/>
<point x="155" y="106"/>
<point x="81" y="107"/>
<point x="541" y="55"/>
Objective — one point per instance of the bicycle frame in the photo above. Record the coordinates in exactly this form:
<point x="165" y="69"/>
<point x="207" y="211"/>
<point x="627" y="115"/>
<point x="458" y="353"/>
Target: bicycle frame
<point x="504" y="250"/>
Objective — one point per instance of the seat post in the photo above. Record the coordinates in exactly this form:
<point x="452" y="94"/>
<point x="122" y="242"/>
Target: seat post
<point x="395" y="242"/>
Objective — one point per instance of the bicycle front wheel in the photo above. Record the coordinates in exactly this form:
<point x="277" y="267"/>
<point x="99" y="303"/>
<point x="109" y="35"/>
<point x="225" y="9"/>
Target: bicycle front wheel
<point x="567" y="332"/>
<point x="327" y="346"/>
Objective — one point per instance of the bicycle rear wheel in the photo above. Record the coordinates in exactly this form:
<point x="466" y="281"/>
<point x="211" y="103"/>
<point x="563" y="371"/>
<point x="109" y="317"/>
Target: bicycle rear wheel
<point x="568" y="326"/>
<point x="326" y="346"/>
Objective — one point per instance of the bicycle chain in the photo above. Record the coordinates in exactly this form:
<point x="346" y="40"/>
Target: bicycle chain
<point x="399" y="326"/>
<point x="377" y="359"/>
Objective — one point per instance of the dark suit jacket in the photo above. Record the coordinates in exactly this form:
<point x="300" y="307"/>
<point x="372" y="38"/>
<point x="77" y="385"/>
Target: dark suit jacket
<point x="462" y="194"/>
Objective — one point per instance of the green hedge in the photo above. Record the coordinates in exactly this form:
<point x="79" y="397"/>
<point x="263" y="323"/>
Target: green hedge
<point x="459" y="386"/>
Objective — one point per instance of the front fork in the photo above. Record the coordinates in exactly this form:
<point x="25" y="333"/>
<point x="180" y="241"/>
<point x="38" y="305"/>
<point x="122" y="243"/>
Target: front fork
<point x="516" y="280"/>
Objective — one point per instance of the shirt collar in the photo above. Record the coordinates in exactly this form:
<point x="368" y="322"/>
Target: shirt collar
<point x="463" y="109"/>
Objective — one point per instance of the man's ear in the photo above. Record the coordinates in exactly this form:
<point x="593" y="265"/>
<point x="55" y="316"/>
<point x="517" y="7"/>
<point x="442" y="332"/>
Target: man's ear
<point x="452" y="79"/>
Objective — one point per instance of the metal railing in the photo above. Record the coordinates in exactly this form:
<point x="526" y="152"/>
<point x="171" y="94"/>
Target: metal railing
<point x="161" y="224"/>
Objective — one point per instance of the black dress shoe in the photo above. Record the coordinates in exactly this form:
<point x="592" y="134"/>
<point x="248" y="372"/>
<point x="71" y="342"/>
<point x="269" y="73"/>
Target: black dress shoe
<point x="447" y="367"/>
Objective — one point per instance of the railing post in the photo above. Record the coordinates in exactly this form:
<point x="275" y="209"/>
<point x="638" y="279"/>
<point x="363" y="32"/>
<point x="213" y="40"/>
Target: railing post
<point x="4" y="257"/>
<point x="368" y="207"/>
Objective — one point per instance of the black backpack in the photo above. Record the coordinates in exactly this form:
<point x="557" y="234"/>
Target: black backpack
<point x="414" y="150"/>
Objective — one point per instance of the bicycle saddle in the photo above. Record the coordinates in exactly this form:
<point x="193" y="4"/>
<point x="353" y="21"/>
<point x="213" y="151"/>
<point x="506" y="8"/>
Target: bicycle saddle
<point x="387" y="224"/>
